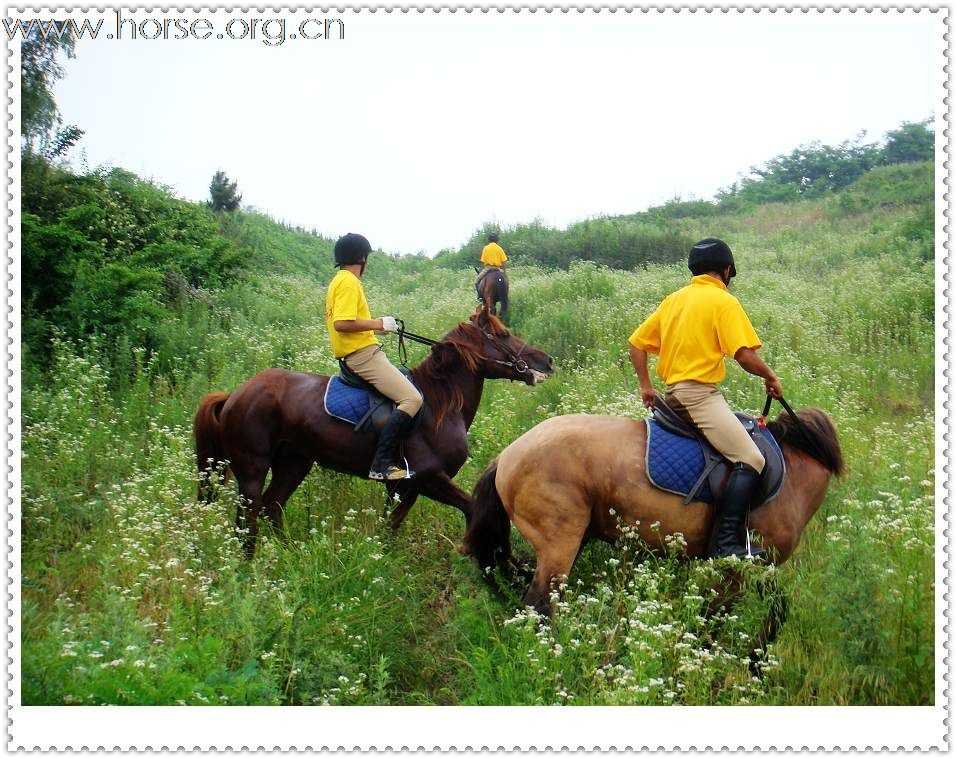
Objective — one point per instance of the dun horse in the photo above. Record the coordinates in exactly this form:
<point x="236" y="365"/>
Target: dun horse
<point x="277" y="421"/>
<point x="493" y="289"/>
<point x="560" y="481"/>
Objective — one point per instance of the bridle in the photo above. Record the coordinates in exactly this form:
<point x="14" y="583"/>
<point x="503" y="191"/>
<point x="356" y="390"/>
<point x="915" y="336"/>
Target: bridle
<point x="515" y="361"/>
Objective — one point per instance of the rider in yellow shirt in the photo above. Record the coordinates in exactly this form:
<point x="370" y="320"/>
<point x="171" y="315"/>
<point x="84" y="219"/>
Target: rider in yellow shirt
<point x="351" y="333"/>
<point x="493" y="256"/>
<point x="691" y="332"/>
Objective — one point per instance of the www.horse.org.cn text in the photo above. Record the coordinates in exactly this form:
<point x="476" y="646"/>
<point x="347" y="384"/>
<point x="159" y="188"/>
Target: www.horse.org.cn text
<point x="268" y="31"/>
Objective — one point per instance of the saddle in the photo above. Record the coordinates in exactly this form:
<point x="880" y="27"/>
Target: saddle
<point x="350" y="398"/>
<point x="679" y="460"/>
<point x="480" y="281"/>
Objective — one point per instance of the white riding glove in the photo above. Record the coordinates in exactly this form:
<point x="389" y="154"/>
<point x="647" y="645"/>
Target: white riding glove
<point x="389" y="324"/>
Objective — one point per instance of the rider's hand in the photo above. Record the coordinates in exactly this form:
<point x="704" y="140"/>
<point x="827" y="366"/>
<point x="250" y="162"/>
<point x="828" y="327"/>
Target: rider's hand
<point x="774" y="388"/>
<point x="648" y="395"/>
<point x="389" y="324"/>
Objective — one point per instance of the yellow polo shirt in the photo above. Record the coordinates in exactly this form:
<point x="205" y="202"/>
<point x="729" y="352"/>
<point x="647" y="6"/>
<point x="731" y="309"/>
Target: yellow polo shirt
<point x="693" y="329"/>
<point x="493" y="255"/>
<point x="345" y="300"/>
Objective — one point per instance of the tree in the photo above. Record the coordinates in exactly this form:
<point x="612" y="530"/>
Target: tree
<point x="223" y="195"/>
<point x="814" y="169"/>
<point x="910" y="143"/>
<point x="42" y="132"/>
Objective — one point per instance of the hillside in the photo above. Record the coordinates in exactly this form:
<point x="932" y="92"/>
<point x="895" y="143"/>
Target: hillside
<point x="112" y="255"/>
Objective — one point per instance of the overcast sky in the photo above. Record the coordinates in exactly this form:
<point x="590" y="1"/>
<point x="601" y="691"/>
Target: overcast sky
<point x="417" y="128"/>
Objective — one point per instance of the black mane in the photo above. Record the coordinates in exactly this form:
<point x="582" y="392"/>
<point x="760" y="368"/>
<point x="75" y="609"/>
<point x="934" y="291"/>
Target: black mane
<point x="816" y="436"/>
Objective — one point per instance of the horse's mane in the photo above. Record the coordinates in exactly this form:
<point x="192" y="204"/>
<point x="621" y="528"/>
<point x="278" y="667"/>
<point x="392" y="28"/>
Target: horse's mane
<point x="822" y="445"/>
<point x="461" y="346"/>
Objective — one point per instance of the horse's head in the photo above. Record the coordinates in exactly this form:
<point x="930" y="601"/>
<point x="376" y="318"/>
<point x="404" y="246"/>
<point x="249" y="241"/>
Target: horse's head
<point x="505" y="356"/>
<point x="485" y="346"/>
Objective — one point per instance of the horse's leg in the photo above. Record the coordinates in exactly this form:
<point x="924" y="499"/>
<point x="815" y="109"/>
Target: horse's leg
<point x="503" y="299"/>
<point x="724" y="594"/>
<point x="730" y="589"/>
<point x="776" y="615"/>
<point x="554" y="562"/>
<point x="287" y="474"/>
<point x="247" y="515"/>
<point x="407" y="494"/>
<point x="441" y="488"/>
<point x="556" y="535"/>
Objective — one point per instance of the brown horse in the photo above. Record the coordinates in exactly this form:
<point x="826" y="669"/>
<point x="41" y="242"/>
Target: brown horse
<point x="492" y="290"/>
<point x="277" y="421"/>
<point x="571" y="478"/>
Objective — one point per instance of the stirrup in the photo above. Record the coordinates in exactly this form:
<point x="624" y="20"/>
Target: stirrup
<point x="392" y="472"/>
<point x="755" y="554"/>
<point x="745" y="552"/>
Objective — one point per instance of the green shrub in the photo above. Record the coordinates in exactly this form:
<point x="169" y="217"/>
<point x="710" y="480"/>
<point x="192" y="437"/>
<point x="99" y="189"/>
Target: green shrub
<point x="899" y="184"/>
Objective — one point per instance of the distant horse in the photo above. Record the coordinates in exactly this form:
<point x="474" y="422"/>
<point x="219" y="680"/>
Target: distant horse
<point x="560" y="481"/>
<point x="277" y="421"/>
<point x="493" y="289"/>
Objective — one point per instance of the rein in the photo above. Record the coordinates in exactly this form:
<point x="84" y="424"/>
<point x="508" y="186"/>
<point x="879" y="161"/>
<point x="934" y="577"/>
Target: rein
<point x="516" y="363"/>
<point x="402" y="334"/>
<point x="800" y="425"/>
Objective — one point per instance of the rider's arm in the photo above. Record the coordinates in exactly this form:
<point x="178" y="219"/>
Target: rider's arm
<point x="753" y="364"/>
<point x="639" y="361"/>
<point x="358" y="325"/>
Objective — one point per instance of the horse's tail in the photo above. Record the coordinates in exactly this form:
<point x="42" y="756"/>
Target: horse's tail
<point x="488" y="535"/>
<point x="209" y="451"/>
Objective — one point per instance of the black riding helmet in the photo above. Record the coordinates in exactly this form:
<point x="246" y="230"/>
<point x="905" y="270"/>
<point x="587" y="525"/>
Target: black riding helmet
<point x="711" y="254"/>
<point x="351" y="249"/>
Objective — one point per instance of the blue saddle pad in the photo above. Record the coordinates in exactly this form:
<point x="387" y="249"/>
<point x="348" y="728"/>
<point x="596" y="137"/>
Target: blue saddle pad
<point x="350" y="404"/>
<point x="674" y="463"/>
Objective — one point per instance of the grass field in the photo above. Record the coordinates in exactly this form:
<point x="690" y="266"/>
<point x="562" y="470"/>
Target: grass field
<point x="134" y="593"/>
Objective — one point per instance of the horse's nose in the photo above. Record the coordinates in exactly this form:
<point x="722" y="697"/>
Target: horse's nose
<point x="550" y="362"/>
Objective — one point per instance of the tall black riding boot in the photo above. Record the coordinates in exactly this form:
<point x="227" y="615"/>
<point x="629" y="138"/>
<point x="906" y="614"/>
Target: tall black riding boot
<point x="732" y="511"/>
<point x="385" y="463"/>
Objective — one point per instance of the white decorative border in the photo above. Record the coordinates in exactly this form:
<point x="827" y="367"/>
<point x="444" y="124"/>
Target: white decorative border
<point x="10" y="359"/>
<point x="481" y="729"/>
<point x="944" y="451"/>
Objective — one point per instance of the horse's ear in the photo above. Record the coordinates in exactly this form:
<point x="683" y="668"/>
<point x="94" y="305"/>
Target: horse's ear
<point x="481" y="316"/>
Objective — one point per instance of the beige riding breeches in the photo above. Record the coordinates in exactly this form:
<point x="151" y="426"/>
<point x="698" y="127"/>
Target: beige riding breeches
<point x="704" y="405"/>
<point x="372" y="365"/>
